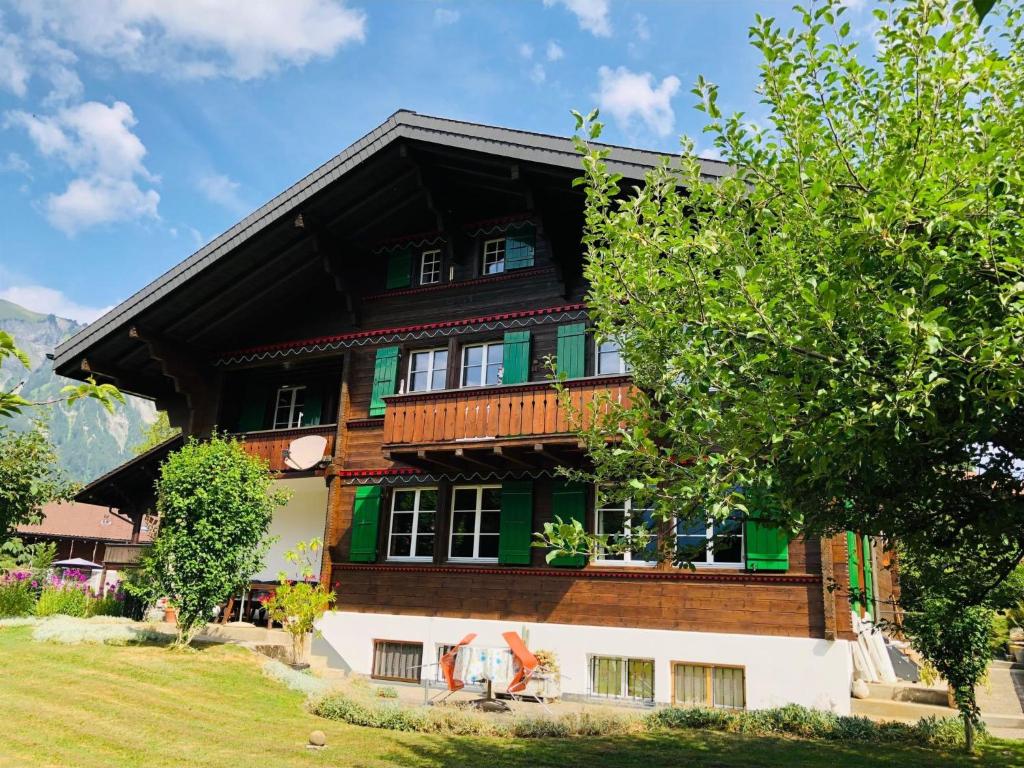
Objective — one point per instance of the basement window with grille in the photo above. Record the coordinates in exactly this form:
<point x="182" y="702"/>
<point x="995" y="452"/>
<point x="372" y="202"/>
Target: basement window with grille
<point x="397" y="660"/>
<point x="614" y="677"/>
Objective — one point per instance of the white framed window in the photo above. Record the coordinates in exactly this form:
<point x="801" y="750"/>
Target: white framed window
<point x="430" y="267"/>
<point x="609" y="358"/>
<point x="494" y="256"/>
<point x="476" y="519"/>
<point x="708" y="685"/>
<point x="428" y="370"/>
<point x="616" y="677"/>
<point x="413" y="523"/>
<point x="288" y="407"/>
<point x="481" y="364"/>
<point x="713" y="543"/>
<point x="617" y="519"/>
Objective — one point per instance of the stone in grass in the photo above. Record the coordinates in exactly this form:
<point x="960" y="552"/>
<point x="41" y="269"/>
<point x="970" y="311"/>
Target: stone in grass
<point x="317" y="740"/>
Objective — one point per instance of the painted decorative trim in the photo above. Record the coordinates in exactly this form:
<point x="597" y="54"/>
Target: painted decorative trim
<point x="444" y="329"/>
<point x="486" y="280"/>
<point x="411" y="476"/>
<point x="645" y="574"/>
<point x="501" y="224"/>
<point x="365" y="423"/>
<point x="504" y="389"/>
<point x="417" y="240"/>
<point x="318" y="429"/>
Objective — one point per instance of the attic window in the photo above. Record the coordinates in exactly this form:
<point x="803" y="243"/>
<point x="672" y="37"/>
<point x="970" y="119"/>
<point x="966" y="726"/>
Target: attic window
<point x="494" y="256"/>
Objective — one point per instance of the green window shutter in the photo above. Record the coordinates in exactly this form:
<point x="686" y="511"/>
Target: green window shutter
<point x="399" y="270"/>
<point x="516" y="529"/>
<point x="571" y="343"/>
<point x="311" y="409"/>
<point x="253" y="413"/>
<point x="569" y="502"/>
<point x="767" y="546"/>
<point x="516" y="357"/>
<point x="519" y="248"/>
<point x="385" y="376"/>
<point x="365" y="519"/>
<point x="869" y="586"/>
<point x="854" y="565"/>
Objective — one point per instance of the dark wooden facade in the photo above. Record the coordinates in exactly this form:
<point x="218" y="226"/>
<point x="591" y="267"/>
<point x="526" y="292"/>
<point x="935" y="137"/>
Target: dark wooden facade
<point x="312" y="299"/>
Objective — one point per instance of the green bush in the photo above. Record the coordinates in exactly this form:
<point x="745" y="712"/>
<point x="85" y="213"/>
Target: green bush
<point x="17" y="597"/>
<point x="66" y="600"/>
<point x="387" y="692"/>
<point x="790" y="720"/>
<point x="108" y="605"/>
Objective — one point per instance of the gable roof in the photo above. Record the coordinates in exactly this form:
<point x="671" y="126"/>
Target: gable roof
<point x="74" y="520"/>
<point x="405" y="124"/>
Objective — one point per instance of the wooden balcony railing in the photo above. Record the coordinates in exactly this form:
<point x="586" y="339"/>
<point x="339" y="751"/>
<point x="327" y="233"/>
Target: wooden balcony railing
<point x="124" y="554"/>
<point x="503" y="413"/>
<point x="271" y="444"/>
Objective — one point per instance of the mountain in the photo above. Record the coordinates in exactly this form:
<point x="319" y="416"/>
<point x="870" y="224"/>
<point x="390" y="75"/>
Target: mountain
<point x="89" y="440"/>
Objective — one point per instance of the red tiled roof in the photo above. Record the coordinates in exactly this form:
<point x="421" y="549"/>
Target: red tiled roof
<point x="83" y="521"/>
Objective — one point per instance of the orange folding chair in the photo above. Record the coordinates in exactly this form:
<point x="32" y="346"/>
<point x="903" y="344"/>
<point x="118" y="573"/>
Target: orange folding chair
<point x="447" y="664"/>
<point x="525" y="663"/>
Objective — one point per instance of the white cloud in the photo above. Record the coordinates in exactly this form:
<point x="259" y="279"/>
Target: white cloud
<point x="641" y="29"/>
<point x="244" y="39"/>
<point x="95" y="200"/>
<point x="554" y="51"/>
<point x="15" y="163"/>
<point x="526" y="50"/>
<point x="96" y="142"/>
<point x="627" y="95"/>
<point x="592" y="15"/>
<point x="537" y="74"/>
<point x="14" y="70"/>
<point x="219" y="189"/>
<point x="444" y="17"/>
<point x="48" y="301"/>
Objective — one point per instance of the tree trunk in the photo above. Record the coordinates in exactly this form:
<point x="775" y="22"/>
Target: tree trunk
<point x="969" y="734"/>
<point x="228" y="610"/>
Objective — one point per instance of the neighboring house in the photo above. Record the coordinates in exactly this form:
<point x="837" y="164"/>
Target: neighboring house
<point x="401" y="303"/>
<point x="100" y="534"/>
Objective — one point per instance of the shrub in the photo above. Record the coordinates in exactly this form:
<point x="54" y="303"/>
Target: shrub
<point x="387" y="692"/>
<point x="302" y="682"/>
<point x="700" y="718"/>
<point x="111" y="604"/>
<point x="63" y="599"/>
<point x="17" y="594"/>
<point x="101" y="630"/>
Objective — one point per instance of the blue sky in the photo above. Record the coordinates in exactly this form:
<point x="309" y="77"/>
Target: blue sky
<point x="134" y="131"/>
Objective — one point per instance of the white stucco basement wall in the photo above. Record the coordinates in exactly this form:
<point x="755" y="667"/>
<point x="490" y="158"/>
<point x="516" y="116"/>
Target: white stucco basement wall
<point x="779" y="670"/>
<point x="301" y="519"/>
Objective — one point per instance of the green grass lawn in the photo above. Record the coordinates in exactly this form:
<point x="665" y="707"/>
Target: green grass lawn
<point x="95" y="706"/>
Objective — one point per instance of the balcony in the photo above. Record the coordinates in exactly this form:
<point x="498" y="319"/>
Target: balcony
<point x="271" y="444"/>
<point x="521" y="424"/>
<point x="124" y="555"/>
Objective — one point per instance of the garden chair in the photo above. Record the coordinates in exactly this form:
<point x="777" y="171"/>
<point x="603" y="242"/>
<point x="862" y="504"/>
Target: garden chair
<point x="447" y="664"/>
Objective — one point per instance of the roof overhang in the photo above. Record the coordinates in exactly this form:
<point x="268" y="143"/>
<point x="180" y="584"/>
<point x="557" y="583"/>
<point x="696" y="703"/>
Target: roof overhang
<point x="70" y="358"/>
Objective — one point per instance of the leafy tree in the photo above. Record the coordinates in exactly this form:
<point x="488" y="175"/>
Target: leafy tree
<point x="299" y="601"/>
<point x="29" y="479"/>
<point x="956" y="639"/>
<point x="215" y="502"/>
<point x="12" y="403"/>
<point x="838" y="325"/>
<point x="160" y="431"/>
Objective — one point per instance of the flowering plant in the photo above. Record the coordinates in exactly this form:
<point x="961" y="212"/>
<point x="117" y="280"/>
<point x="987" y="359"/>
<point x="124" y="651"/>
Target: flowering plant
<point x="299" y="603"/>
<point x="17" y="593"/>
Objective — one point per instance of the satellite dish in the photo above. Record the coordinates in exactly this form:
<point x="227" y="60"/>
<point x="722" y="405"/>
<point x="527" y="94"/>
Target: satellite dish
<point x="305" y="452"/>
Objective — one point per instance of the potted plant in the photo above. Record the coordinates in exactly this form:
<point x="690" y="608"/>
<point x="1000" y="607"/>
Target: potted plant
<point x="546" y="682"/>
<point x="1017" y="644"/>
<point x="299" y="603"/>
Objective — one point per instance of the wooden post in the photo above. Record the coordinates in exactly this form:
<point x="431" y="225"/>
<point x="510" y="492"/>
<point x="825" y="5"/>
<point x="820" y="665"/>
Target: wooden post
<point x="334" y="485"/>
<point x="828" y="597"/>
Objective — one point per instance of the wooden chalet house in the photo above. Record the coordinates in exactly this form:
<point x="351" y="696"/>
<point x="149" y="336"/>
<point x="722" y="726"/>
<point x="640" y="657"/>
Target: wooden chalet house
<point x="400" y="302"/>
